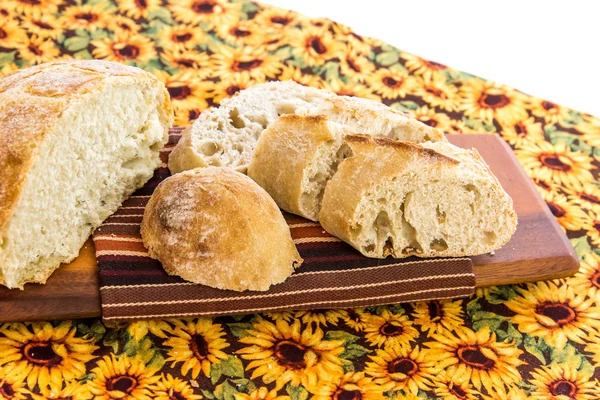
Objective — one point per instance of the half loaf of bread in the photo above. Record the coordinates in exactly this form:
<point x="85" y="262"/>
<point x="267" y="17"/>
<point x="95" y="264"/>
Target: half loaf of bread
<point x="227" y="135"/>
<point x="76" y="139"/>
<point x="429" y="200"/>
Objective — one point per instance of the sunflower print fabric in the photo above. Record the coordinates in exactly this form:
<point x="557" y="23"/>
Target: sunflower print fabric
<point x="539" y="341"/>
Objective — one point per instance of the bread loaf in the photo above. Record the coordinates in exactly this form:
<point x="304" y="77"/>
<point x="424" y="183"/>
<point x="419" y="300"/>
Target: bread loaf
<point x="76" y="138"/>
<point x="429" y="200"/>
<point x="216" y="227"/>
<point x="227" y="135"/>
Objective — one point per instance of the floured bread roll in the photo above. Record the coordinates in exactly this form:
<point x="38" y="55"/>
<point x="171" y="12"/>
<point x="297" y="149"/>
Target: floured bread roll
<point x="217" y="227"/>
<point x="428" y="200"/>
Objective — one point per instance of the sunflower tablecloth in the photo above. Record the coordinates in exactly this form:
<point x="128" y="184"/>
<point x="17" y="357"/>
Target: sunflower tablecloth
<point x="537" y="340"/>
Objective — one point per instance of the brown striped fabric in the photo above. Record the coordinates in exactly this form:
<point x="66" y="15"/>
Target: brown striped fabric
<point x="333" y="275"/>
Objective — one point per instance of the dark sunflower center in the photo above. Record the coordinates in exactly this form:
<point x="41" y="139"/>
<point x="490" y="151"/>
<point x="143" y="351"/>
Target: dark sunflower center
<point x="3" y="34"/>
<point x="124" y="26"/>
<point x="237" y="32"/>
<point x="404" y="366"/>
<point x="548" y="105"/>
<point x="458" y="392"/>
<point x="141" y="3"/>
<point x="560" y="313"/>
<point x="246" y="65"/>
<point x="558" y="211"/>
<point x="204" y="7"/>
<point x="233" y="89"/>
<point x="35" y="50"/>
<point x="129" y="51"/>
<point x="495" y="100"/>
<point x="193" y="114"/>
<point x="352" y="64"/>
<point x="4" y="12"/>
<point x="435" y="309"/>
<point x="353" y="315"/>
<point x="199" y="346"/>
<point x="589" y="197"/>
<point x="89" y="17"/>
<point x="436" y="92"/>
<point x="122" y="383"/>
<point x="43" y="25"/>
<point x="177" y="396"/>
<point x="6" y="390"/>
<point x="553" y="162"/>
<point x="179" y="92"/>
<point x="317" y="45"/>
<point x="388" y="329"/>
<point x="186" y="62"/>
<point x="564" y="388"/>
<point x="520" y="129"/>
<point x="182" y="38"/>
<point x="391" y="82"/>
<point x="290" y="354"/>
<point x="280" y="20"/>
<point x="473" y="357"/>
<point x="342" y="394"/>
<point x="41" y="353"/>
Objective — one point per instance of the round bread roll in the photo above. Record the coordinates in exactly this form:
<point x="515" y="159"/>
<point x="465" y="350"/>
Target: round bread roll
<point x="217" y="227"/>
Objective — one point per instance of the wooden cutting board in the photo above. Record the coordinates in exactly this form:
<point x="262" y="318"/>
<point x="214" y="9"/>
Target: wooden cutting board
<point x="539" y="250"/>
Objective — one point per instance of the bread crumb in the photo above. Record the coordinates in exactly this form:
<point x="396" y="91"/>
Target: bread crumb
<point x="492" y="253"/>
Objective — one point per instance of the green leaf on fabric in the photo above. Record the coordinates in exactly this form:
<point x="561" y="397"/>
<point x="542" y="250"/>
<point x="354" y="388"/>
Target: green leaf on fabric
<point x="111" y="339"/>
<point x="157" y="361"/>
<point x="216" y="371"/>
<point x="83" y="54"/>
<point x="151" y="65"/>
<point x="387" y="58"/>
<point x="473" y="306"/>
<point x="240" y="329"/>
<point x="347" y="365"/>
<point x="76" y="43"/>
<point x="535" y="347"/>
<point x="396" y="308"/>
<point x="479" y="125"/>
<point x="297" y="62"/>
<point x="353" y="351"/>
<point x="99" y="34"/>
<point x="225" y="391"/>
<point x="581" y="245"/>
<point x="232" y="367"/>
<point x="574" y="119"/>
<point x="485" y="318"/>
<point x="283" y="53"/>
<point x="574" y="143"/>
<point x="296" y="392"/>
<point x="501" y="294"/>
<point x="249" y="7"/>
<point x="567" y="355"/>
<point x="244" y="385"/>
<point x="144" y="349"/>
<point x="596" y="153"/>
<point x="207" y="394"/>
<point x="60" y="38"/>
<point x="511" y="335"/>
<point x="82" y="33"/>
<point x="331" y="70"/>
<point x="7" y="58"/>
<point x="406" y="105"/>
<point x="348" y="338"/>
<point x="161" y="13"/>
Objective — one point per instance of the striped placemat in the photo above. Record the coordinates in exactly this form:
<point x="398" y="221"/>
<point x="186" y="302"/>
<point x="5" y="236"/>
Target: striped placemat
<point x="333" y="275"/>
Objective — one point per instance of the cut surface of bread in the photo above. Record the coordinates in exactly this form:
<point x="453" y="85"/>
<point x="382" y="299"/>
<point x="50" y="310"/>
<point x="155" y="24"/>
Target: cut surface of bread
<point x="76" y="139"/>
<point x="217" y="227"/>
<point x="430" y="200"/>
<point x="227" y="135"/>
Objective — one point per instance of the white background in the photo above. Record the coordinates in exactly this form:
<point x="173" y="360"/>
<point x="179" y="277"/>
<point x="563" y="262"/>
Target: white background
<point x="549" y="49"/>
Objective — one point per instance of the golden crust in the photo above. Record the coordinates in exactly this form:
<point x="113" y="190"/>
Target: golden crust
<point x="216" y="227"/>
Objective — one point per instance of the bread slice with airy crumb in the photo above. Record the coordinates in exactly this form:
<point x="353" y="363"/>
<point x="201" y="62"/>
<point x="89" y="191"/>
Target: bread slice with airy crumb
<point x="429" y="200"/>
<point x="76" y="139"/>
<point x="227" y="135"/>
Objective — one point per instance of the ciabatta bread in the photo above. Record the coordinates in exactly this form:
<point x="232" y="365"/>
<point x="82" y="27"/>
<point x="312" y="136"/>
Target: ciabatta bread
<point x="429" y="200"/>
<point x="227" y="135"/>
<point x="76" y="138"/>
<point x="217" y="227"/>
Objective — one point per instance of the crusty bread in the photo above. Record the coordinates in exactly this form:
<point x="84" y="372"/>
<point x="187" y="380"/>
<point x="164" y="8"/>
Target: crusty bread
<point x="293" y="160"/>
<point x="401" y="199"/>
<point x="217" y="227"/>
<point x="227" y="135"/>
<point x="76" y="138"/>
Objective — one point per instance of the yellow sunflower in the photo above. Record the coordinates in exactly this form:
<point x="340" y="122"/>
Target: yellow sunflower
<point x="291" y="72"/>
<point x="73" y="390"/>
<point x="88" y="17"/>
<point x="488" y="100"/>
<point x="169" y="388"/>
<point x="355" y="65"/>
<point x="138" y="8"/>
<point x="41" y="24"/>
<point x="187" y="90"/>
<point x="322" y="317"/>
<point x="401" y="367"/>
<point x="7" y="10"/>
<point x="593" y="347"/>
<point x="244" y="33"/>
<point x="352" y="385"/>
<point x="29" y="7"/>
<point x="283" y="353"/>
<point x="518" y="132"/>
<point x="48" y="354"/>
<point x="556" y="162"/>
<point x="124" y="48"/>
<point x="551" y="113"/>
<point x="544" y="185"/>
<point x="447" y="388"/>
<point x="261" y="393"/>
<point x="422" y="67"/>
<point x="569" y="216"/>
<point x="437" y="92"/>
<point x="476" y="357"/>
<point x="197" y="344"/>
<point x="316" y="48"/>
<point x="123" y="26"/>
<point x="12" y="385"/>
<point x="11" y="34"/>
<point x="587" y="279"/>
<point x="282" y="315"/>
<point x="180" y="37"/>
<point x="139" y="329"/>
<point x="356" y="319"/>
<point x="188" y="59"/>
<point x="350" y="89"/>
<point x="123" y="378"/>
<point x="434" y="316"/>
<point x="514" y="393"/>
<point x="8" y="68"/>
<point x="594" y="232"/>
<point x="586" y="196"/>
<point x="554" y="312"/>
<point x="428" y="116"/>
<point x="185" y="117"/>
<point x="226" y="89"/>
<point x="389" y="329"/>
<point x="255" y="63"/>
<point x="391" y="83"/>
<point x="277" y="19"/>
<point x="590" y="130"/>
<point x="211" y="12"/>
<point x="562" y="382"/>
<point x="354" y="42"/>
